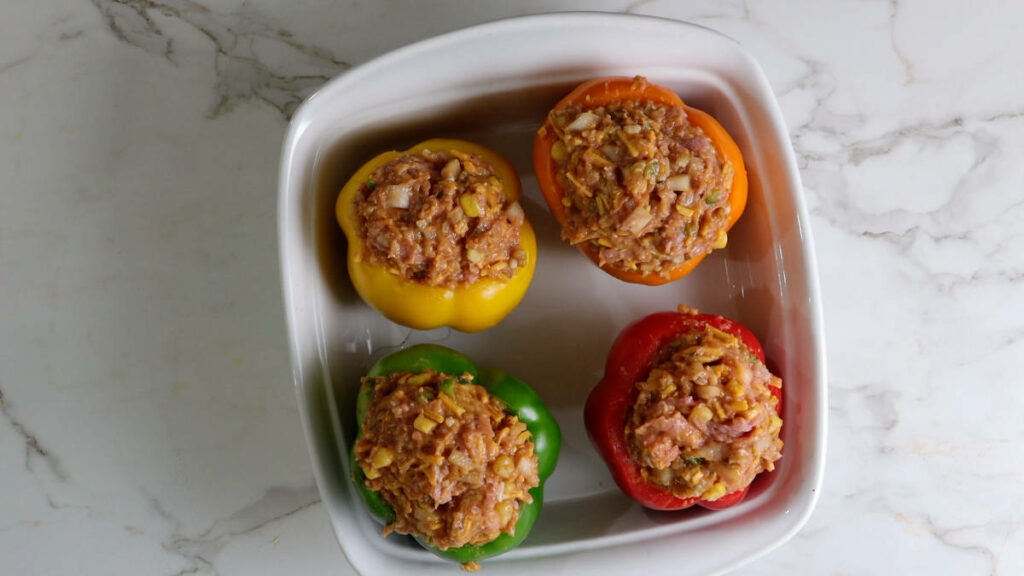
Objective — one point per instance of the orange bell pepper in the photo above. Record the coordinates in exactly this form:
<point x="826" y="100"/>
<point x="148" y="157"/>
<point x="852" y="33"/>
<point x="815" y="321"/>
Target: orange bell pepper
<point x="605" y="91"/>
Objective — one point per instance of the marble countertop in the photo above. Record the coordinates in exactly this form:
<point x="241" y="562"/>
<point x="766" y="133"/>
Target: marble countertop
<point x="147" y="421"/>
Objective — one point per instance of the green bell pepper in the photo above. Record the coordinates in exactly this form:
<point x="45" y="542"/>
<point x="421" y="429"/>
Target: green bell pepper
<point x="519" y="399"/>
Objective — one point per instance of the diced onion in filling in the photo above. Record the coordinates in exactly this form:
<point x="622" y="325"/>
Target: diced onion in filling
<point x="704" y="421"/>
<point x="637" y="220"/>
<point x="450" y="480"/>
<point x="582" y="122"/>
<point x="397" y="196"/>
<point x="678" y="183"/>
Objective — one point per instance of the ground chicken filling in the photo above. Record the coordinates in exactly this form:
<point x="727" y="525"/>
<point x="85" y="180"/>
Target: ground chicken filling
<point x="447" y="457"/>
<point x="705" y="422"/>
<point x="643" y="188"/>
<point x="440" y="218"/>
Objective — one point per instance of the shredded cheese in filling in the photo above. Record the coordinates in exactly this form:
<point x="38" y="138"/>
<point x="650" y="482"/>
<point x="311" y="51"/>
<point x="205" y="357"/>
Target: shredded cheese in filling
<point x="704" y="423"/>
<point x="643" y="188"/>
<point x="445" y="455"/>
<point x="440" y="218"/>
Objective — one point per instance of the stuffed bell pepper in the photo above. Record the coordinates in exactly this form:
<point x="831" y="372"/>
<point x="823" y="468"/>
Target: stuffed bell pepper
<point x="452" y="454"/>
<point x="437" y="237"/>
<point x="643" y="184"/>
<point x="687" y="413"/>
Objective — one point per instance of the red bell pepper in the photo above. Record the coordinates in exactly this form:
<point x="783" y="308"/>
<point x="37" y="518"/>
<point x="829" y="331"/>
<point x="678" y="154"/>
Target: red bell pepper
<point x="630" y="360"/>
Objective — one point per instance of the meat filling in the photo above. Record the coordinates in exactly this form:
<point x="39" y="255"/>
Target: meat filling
<point x="454" y="466"/>
<point x="705" y="422"/>
<point x="643" y="188"/>
<point x="440" y="218"/>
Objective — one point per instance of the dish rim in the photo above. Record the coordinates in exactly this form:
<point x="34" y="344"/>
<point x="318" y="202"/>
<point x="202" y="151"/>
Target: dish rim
<point x="301" y="122"/>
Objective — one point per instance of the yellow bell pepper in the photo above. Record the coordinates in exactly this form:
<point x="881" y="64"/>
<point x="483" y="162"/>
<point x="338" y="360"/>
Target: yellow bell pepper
<point x="469" y="308"/>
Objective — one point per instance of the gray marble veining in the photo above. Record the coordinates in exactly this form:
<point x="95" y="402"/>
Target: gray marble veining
<point x="146" y="414"/>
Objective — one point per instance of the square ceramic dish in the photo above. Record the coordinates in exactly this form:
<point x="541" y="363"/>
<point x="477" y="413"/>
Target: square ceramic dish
<point x="493" y="84"/>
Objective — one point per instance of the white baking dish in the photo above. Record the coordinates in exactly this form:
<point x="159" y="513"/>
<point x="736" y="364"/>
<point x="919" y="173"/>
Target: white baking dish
<point x="493" y="84"/>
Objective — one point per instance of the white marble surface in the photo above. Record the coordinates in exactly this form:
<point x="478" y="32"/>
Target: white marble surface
<point x="147" y="420"/>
